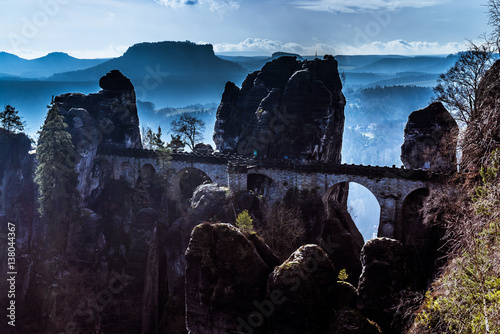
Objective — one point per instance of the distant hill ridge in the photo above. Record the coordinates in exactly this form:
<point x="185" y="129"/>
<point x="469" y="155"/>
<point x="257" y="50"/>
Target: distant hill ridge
<point x="55" y="62"/>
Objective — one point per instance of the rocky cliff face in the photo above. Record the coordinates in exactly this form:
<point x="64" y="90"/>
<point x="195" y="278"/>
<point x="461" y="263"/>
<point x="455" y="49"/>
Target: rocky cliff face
<point x="108" y="118"/>
<point x="289" y="109"/>
<point x="17" y="206"/>
<point x="225" y="274"/>
<point x="384" y="276"/>
<point x="430" y="139"/>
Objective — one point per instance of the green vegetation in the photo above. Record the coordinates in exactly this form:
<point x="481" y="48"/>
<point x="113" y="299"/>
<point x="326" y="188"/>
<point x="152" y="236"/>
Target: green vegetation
<point x="343" y="275"/>
<point x="10" y="120"/>
<point x="176" y="144"/>
<point x="56" y="176"/>
<point x="152" y="140"/>
<point x="466" y="298"/>
<point x="245" y="222"/>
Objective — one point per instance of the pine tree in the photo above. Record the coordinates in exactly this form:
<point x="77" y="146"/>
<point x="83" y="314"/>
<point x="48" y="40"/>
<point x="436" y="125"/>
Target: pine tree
<point x="157" y="142"/>
<point x="153" y="140"/>
<point x="56" y="176"/>
<point x="10" y="120"/>
<point x="176" y="144"/>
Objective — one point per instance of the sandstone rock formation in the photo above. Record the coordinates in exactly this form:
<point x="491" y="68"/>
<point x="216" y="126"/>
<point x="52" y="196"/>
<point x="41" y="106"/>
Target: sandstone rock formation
<point x="307" y="284"/>
<point x="108" y="118"/>
<point x="430" y="140"/>
<point x="288" y="109"/>
<point x="17" y="206"/>
<point x="225" y="275"/>
<point x="384" y="276"/>
<point x="203" y="148"/>
<point x="15" y="173"/>
<point x="208" y="202"/>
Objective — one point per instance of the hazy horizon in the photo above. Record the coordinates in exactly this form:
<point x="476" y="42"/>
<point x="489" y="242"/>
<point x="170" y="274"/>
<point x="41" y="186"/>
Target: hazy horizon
<point x="107" y="28"/>
<point x="244" y="54"/>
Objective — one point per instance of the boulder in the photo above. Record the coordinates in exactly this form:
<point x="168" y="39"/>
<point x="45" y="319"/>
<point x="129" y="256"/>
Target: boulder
<point x="290" y="109"/>
<point x="225" y="276"/>
<point x="430" y="140"/>
<point x="384" y="276"/>
<point x="303" y="291"/>
<point x="115" y="81"/>
<point x="206" y="203"/>
<point x="203" y="148"/>
<point x="347" y="295"/>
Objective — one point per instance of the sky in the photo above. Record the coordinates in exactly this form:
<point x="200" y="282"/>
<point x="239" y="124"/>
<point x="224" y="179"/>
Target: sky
<point x="106" y="28"/>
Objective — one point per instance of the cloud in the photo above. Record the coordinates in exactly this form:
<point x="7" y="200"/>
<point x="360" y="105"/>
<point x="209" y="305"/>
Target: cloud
<point x="401" y="47"/>
<point x="213" y="5"/>
<point x="177" y="3"/>
<point x="356" y="6"/>
<point x="110" y="17"/>
<point x="223" y="5"/>
<point x="267" y="46"/>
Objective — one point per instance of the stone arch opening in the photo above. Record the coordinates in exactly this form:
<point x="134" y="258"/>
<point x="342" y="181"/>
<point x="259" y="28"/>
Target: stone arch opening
<point x="185" y="182"/>
<point x="262" y="185"/>
<point x="361" y="204"/>
<point x="147" y="172"/>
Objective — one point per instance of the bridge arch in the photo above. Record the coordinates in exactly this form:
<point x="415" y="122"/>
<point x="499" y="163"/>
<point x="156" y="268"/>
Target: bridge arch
<point x="147" y="171"/>
<point x="362" y="204"/>
<point x="184" y="183"/>
<point x="263" y="185"/>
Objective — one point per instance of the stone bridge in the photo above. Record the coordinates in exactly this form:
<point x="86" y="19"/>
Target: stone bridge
<point x="391" y="186"/>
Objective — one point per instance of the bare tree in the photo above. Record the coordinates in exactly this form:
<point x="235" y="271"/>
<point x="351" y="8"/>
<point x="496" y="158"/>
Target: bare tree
<point x="458" y="87"/>
<point x="190" y="129"/>
<point x="283" y="231"/>
<point x="494" y="21"/>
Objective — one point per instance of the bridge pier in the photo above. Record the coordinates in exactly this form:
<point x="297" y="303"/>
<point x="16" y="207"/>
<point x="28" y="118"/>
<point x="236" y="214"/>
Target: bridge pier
<point x="389" y="221"/>
<point x="237" y="178"/>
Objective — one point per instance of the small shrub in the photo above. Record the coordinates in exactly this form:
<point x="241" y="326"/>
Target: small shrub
<point x="343" y="276"/>
<point x="245" y="222"/>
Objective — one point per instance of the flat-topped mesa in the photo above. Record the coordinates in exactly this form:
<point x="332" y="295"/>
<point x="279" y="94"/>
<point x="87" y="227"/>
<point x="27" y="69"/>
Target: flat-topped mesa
<point x="290" y="109"/>
<point x="430" y="140"/>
